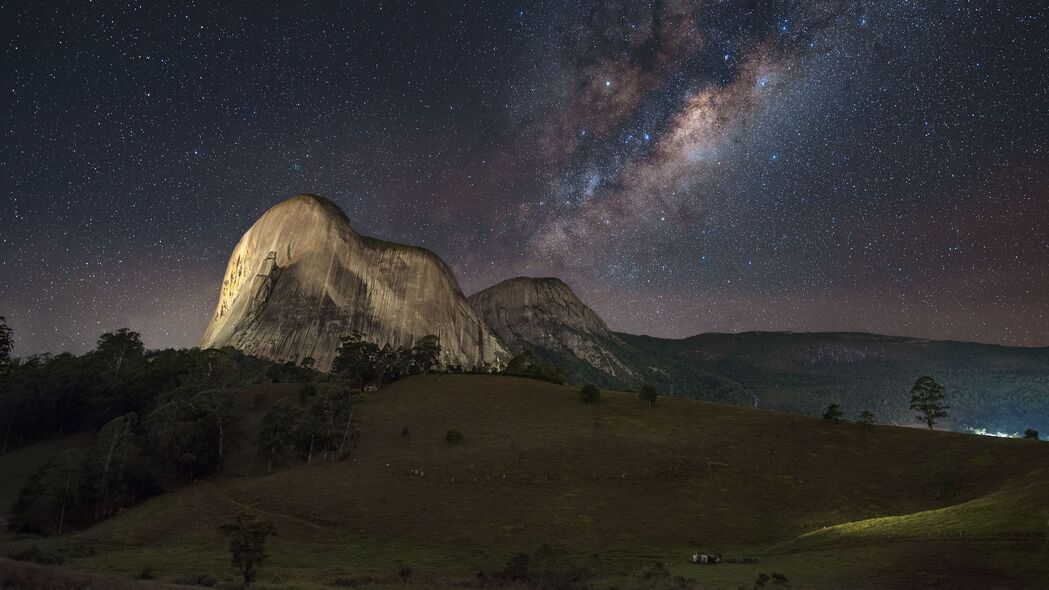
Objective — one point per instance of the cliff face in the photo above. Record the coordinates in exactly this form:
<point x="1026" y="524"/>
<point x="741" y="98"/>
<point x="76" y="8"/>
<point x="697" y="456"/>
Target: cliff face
<point x="544" y="313"/>
<point x="301" y="278"/>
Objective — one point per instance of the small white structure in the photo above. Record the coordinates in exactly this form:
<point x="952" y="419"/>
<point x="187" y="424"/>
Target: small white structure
<point x="706" y="558"/>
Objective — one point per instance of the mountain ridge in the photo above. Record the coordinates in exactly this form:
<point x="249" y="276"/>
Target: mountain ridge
<point x="301" y="278"/>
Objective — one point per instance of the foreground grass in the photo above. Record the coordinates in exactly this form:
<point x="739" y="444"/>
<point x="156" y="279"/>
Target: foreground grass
<point x="616" y="486"/>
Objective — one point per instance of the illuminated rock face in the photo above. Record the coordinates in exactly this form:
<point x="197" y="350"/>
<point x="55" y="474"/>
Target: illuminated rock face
<point x="300" y="279"/>
<point x="543" y="313"/>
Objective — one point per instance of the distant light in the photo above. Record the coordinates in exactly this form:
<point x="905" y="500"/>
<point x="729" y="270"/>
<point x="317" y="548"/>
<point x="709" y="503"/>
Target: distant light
<point x="996" y="434"/>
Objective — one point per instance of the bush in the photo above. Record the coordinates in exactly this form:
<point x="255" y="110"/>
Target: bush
<point x="648" y="395"/>
<point x="590" y="394"/>
<point x="833" y="414"/>
<point x="1031" y="433"/>
<point x="453" y="437"/>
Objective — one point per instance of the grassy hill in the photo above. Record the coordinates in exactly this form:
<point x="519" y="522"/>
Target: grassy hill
<point x="613" y="487"/>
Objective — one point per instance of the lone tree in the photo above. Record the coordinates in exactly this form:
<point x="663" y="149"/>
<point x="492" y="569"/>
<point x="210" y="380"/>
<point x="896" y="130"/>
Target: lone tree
<point x="866" y="419"/>
<point x="648" y="395"/>
<point x="1031" y="433"/>
<point x="833" y="414"/>
<point x="927" y="399"/>
<point x="247" y="544"/>
<point x="590" y="394"/>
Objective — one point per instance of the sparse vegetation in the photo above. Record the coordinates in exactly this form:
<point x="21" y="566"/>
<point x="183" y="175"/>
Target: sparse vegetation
<point x="834" y="414"/>
<point x="927" y="399"/>
<point x="865" y="419"/>
<point x="590" y="394"/>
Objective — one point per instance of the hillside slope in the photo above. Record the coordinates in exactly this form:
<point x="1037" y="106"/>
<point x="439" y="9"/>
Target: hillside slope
<point x="617" y="485"/>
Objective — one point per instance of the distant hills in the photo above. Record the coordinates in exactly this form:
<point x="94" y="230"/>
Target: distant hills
<point x="301" y="278"/>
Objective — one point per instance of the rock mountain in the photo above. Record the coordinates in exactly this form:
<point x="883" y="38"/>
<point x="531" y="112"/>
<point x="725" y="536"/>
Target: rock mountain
<point x="301" y="278"/>
<point x="544" y="314"/>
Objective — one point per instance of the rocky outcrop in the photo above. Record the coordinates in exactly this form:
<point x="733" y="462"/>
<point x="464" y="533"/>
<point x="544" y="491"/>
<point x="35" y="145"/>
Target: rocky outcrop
<point x="543" y="313"/>
<point x="301" y="278"/>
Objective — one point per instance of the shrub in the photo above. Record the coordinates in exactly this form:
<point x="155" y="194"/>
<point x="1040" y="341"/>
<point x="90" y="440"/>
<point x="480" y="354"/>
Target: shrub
<point x="866" y="419"/>
<point x="1031" y="433"/>
<point x="453" y="437"/>
<point x="648" y="395"/>
<point x="590" y="394"/>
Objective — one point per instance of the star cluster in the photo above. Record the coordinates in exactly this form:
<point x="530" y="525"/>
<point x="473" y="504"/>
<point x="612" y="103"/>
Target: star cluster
<point x="686" y="166"/>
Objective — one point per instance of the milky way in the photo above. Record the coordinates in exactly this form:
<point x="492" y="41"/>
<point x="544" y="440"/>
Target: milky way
<point x="684" y="166"/>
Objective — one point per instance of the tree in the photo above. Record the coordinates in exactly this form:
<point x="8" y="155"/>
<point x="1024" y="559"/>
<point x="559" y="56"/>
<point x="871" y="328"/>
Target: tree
<point x="277" y="432"/>
<point x="648" y="395"/>
<point x="833" y="414"/>
<point x="116" y="464"/>
<point x="53" y="495"/>
<point x="866" y="419"/>
<point x="247" y="544"/>
<point x="453" y="437"/>
<point x="7" y="342"/>
<point x="216" y="408"/>
<point x="426" y="353"/>
<point x="926" y="399"/>
<point x="116" y="349"/>
<point x="326" y="425"/>
<point x="358" y="360"/>
<point x="1031" y="433"/>
<point x="590" y="394"/>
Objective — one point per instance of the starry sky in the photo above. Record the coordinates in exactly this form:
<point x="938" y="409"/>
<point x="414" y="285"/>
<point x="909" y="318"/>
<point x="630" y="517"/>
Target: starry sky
<point x="686" y="166"/>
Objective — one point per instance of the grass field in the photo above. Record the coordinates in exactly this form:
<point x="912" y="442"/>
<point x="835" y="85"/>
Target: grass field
<point x="615" y="486"/>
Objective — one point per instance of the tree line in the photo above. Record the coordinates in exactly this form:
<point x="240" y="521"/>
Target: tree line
<point x="162" y="418"/>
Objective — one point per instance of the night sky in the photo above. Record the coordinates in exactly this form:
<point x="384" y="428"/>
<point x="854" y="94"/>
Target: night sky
<point x="685" y="166"/>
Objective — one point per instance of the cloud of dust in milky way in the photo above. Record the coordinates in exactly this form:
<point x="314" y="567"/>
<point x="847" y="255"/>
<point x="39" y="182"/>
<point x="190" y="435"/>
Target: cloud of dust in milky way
<point x="661" y="186"/>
